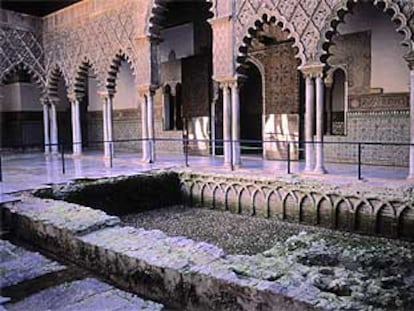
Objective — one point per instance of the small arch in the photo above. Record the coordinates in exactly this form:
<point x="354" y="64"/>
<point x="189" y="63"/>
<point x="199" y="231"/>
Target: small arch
<point x="343" y="215"/>
<point x="114" y="69"/>
<point x="274" y="205"/>
<point x="307" y="210"/>
<point x="325" y="213"/>
<point x="406" y="223"/>
<point x="290" y="207"/>
<point x="364" y="217"/>
<point x="386" y="221"/>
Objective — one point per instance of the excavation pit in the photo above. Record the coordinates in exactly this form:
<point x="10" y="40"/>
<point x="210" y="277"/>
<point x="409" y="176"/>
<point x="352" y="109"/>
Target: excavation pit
<point x="249" y="263"/>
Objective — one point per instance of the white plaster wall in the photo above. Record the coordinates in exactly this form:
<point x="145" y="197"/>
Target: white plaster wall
<point x="125" y="96"/>
<point x="94" y="103"/>
<point x="179" y="39"/>
<point x="389" y="70"/>
<point x="21" y="97"/>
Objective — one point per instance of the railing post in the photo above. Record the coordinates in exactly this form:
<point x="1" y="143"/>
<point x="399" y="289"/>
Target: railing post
<point x="110" y="154"/>
<point x="186" y="151"/>
<point x="62" y="157"/>
<point x="231" y="156"/>
<point x="1" y="170"/>
<point x="359" y="161"/>
<point x="288" y="158"/>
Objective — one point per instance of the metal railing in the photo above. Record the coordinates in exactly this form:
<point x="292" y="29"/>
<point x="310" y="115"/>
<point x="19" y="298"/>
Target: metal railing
<point x="218" y="143"/>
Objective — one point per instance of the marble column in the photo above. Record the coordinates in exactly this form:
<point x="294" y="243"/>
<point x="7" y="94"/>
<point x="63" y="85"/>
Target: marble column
<point x="105" y="125"/>
<point x="144" y="126"/>
<point x="320" y="99"/>
<point x="309" y="112"/>
<point x="54" y="139"/>
<point x="109" y="121"/>
<point x="151" y="125"/>
<point x="213" y="127"/>
<point x="46" y="128"/>
<point x="76" y="128"/>
<point x="410" y="60"/>
<point x="235" y="123"/>
<point x="226" y="124"/>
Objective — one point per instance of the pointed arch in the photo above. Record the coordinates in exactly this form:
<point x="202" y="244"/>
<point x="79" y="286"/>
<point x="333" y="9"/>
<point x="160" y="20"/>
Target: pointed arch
<point x="389" y="7"/>
<point x="81" y="77"/>
<point x="114" y="68"/>
<point x="267" y="17"/>
<point x="38" y="79"/>
<point x="53" y="77"/>
<point x="159" y="8"/>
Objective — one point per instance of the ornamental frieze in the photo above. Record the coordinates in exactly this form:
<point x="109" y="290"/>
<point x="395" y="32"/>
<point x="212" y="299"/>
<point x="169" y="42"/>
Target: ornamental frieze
<point x="379" y="102"/>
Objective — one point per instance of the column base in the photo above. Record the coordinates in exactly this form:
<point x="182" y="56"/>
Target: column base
<point x="146" y="161"/>
<point x="410" y="177"/>
<point x="320" y="171"/>
<point x="308" y="170"/>
<point x="237" y="165"/>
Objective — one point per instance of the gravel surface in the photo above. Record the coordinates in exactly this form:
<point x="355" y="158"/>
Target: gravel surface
<point x="236" y="234"/>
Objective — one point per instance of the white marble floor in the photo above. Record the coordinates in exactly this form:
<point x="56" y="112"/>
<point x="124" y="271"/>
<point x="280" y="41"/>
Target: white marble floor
<point x="22" y="171"/>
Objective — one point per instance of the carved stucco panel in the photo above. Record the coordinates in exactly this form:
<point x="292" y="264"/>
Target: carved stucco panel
<point x="309" y="20"/>
<point x="96" y="40"/>
<point x="222" y="48"/>
<point x="20" y="47"/>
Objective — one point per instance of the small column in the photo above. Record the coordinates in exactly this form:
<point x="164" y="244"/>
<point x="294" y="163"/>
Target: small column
<point x="320" y="98"/>
<point x="144" y="126"/>
<point x="53" y="128"/>
<point x="213" y="127"/>
<point x="309" y="107"/>
<point x="46" y="128"/>
<point x="151" y="129"/>
<point x="105" y="124"/>
<point x="410" y="60"/>
<point x="235" y="123"/>
<point x="226" y="124"/>
<point x="76" y="128"/>
<point x="109" y="120"/>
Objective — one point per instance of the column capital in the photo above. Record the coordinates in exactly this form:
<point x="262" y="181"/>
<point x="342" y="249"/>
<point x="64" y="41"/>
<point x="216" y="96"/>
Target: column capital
<point x="315" y="70"/>
<point x="146" y="89"/>
<point x="54" y="100"/>
<point x="409" y="58"/>
<point x="104" y="94"/>
<point x="44" y="101"/>
<point x="231" y="82"/>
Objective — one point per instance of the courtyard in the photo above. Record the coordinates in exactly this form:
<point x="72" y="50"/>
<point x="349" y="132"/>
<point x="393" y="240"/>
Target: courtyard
<point x="207" y="155"/>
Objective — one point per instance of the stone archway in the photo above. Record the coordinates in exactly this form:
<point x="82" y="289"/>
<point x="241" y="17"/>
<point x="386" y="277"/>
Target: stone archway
<point x="271" y="47"/>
